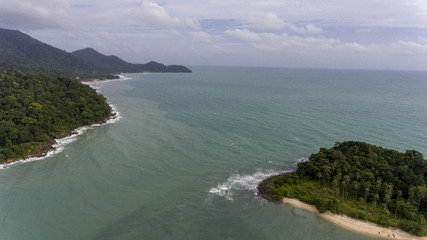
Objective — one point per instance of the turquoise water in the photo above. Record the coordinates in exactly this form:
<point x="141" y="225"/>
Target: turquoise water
<point x="184" y="159"/>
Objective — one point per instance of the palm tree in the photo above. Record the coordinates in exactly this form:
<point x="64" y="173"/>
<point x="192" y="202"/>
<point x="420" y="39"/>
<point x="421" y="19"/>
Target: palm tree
<point x="376" y="197"/>
<point x="411" y="194"/>
<point x="399" y="194"/>
<point x="378" y="184"/>
<point x="336" y="183"/>
<point x="420" y="193"/>
<point x="326" y="173"/>
<point x="367" y="188"/>
<point x="345" y="181"/>
<point x="319" y="176"/>
<point x="388" y="192"/>
<point x="385" y="210"/>
<point x="356" y="186"/>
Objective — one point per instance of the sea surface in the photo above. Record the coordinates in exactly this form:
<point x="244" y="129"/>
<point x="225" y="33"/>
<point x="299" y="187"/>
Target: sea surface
<point x="185" y="156"/>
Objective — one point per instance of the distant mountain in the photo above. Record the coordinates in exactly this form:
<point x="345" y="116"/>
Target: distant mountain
<point x="19" y="51"/>
<point x="90" y="55"/>
<point x="118" y="65"/>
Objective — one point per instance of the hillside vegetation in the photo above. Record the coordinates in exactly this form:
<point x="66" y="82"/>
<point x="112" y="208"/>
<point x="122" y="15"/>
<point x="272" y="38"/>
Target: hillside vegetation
<point x="37" y="108"/>
<point x="362" y="181"/>
<point x="113" y="64"/>
<point x="21" y="52"/>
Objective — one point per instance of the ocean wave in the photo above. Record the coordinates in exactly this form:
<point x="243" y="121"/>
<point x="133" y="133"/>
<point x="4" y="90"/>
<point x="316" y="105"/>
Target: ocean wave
<point x="57" y="147"/>
<point x="115" y="117"/>
<point x="124" y="78"/>
<point x="60" y="143"/>
<point x="243" y="182"/>
<point x="237" y="182"/>
<point x="94" y="84"/>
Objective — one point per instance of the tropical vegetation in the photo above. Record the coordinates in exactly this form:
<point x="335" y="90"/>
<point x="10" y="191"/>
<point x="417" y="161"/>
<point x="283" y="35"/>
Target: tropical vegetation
<point x="363" y="181"/>
<point x="20" y="52"/>
<point x="36" y="108"/>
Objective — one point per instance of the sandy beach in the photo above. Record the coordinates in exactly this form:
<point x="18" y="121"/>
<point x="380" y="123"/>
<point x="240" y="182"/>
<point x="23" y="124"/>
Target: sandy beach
<point x="352" y="224"/>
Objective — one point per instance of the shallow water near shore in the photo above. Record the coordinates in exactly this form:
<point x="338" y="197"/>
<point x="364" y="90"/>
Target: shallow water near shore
<point x="184" y="160"/>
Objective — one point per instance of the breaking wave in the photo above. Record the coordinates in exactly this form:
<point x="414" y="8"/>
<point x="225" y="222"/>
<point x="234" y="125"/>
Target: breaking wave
<point x="237" y="182"/>
<point x="243" y="182"/>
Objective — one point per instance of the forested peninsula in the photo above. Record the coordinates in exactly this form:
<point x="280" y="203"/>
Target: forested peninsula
<point x="362" y="181"/>
<point x="35" y="109"/>
<point x="41" y="97"/>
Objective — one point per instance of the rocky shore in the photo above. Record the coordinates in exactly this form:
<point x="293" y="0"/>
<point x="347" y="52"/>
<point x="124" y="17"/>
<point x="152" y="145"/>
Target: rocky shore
<point x="48" y="146"/>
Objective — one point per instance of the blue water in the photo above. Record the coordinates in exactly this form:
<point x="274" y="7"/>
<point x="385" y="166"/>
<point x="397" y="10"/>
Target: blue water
<point x="184" y="160"/>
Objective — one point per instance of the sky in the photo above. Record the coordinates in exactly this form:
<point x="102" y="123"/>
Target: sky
<point x="349" y="34"/>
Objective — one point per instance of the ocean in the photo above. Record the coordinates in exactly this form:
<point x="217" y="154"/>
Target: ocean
<point x="184" y="157"/>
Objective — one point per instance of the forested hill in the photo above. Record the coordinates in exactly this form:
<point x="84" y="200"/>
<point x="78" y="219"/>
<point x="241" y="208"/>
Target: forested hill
<point x="364" y="181"/>
<point x="115" y="64"/>
<point x="37" y="108"/>
<point x="19" y="51"/>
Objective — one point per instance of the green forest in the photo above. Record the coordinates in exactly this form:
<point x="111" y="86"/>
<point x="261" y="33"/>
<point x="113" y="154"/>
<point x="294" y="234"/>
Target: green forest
<point x="360" y="180"/>
<point x="36" y="108"/>
<point x="21" y="52"/>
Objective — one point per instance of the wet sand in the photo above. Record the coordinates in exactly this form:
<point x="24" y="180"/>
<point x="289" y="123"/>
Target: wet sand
<point x="356" y="225"/>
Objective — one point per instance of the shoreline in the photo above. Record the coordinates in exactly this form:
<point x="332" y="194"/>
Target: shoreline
<point x="352" y="224"/>
<point x="94" y="81"/>
<point x="51" y="146"/>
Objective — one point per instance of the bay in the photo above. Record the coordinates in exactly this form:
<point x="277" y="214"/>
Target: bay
<point x="186" y="155"/>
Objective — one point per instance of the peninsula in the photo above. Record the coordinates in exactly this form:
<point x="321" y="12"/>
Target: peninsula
<point x="36" y="109"/>
<point x="42" y="98"/>
<point x="361" y="181"/>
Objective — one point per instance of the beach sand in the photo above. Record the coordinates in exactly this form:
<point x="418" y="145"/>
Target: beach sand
<point x="352" y="224"/>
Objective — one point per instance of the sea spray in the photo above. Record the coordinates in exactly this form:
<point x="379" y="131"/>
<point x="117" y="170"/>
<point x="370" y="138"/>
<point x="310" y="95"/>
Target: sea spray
<point x="93" y="83"/>
<point x="243" y="182"/>
<point x="248" y="182"/>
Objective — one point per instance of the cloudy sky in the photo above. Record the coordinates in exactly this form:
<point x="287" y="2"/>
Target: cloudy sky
<point x="367" y="34"/>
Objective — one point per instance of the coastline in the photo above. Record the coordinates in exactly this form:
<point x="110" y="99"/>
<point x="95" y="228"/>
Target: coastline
<point x="50" y="147"/>
<point x="352" y="224"/>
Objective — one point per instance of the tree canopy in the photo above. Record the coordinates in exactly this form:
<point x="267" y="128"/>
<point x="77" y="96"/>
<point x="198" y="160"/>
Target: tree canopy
<point x="35" y="108"/>
<point x="361" y="180"/>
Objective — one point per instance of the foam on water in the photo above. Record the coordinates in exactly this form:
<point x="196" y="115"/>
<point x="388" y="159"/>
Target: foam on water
<point x="243" y="182"/>
<point x="247" y="182"/>
<point x="114" y="110"/>
<point x="116" y="116"/>
<point x="123" y="77"/>
<point x="95" y="84"/>
<point x="58" y="147"/>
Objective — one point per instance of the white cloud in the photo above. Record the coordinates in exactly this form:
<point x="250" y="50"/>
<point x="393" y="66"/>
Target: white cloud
<point x="243" y="34"/>
<point x="153" y="14"/>
<point x="270" y="21"/>
<point x="287" y="50"/>
<point x="310" y="28"/>
<point x="202" y="37"/>
<point x="27" y="14"/>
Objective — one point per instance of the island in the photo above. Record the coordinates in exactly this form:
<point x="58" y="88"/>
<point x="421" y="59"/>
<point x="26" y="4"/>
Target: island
<point x="361" y="181"/>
